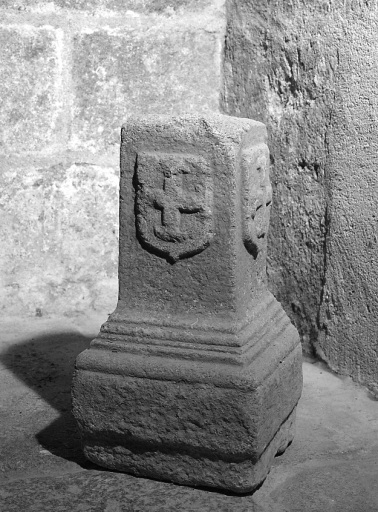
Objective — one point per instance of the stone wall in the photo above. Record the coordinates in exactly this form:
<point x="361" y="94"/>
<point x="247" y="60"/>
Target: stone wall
<point x="349" y="310"/>
<point x="71" y="71"/>
<point x="309" y="71"/>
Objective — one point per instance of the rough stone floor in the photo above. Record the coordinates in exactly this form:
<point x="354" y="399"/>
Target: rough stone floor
<point x="332" y="465"/>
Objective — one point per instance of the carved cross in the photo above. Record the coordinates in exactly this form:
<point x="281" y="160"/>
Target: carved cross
<point x="172" y="201"/>
<point x="169" y="185"/>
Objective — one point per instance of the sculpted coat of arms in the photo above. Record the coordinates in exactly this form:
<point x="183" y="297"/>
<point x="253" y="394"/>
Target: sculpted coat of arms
<point x="257" y="197"/>
<point x="174" y="200"/>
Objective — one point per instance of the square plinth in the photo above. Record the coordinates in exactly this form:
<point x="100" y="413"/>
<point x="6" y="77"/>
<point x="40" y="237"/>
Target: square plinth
<point x="203" y="421"/>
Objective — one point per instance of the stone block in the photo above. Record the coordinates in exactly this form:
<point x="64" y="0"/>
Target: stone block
<point x="60" y="224"/>
<point x="160" y="68"/>
<point x="196" y="375"/>
<point x="140" y="6"/>
<point x="349" y="311"/>
<point x="159" y="6"/>
<point x="30" y="87"/>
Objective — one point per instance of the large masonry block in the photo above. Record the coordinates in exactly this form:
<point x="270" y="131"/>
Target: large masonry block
<point x="66" y="227"/>
<point x="349" y="310"/>
<point x="30" y="87"/>
<point x="143" y="6"/>
<point x="169" y="66"/>
<point x="195" y="376"/>
<point x="159" y="6"/>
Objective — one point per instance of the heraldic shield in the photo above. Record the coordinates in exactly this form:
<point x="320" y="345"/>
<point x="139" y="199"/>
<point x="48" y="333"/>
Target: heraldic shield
<point x="174" y="204"/>
<point x="257" y="197"/>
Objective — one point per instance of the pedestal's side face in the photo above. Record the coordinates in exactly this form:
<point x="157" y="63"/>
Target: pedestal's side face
<point x="181" y="242"/>
<point x="255" y="196"/>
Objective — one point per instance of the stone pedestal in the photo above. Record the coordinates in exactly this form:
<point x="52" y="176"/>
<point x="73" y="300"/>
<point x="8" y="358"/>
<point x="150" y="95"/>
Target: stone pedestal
<point x="196" y="375"/>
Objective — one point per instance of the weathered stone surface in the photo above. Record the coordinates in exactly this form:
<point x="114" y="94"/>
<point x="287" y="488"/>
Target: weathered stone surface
<point x="164" y="67"/>
<point x="159" y="6"/>
<point x="195" y="376"/>
<point x="30" y="87"/>
<point x="161" y="58"/>
<point x="61" y="231"/>
<point x="349" y="312"/>
<point x="306" y="69"/>
<point x="144" y="6"/>
<point x="115" y="492"/>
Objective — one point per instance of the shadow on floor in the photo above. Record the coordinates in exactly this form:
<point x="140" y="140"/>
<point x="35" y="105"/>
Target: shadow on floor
<point x="46" y="364"/>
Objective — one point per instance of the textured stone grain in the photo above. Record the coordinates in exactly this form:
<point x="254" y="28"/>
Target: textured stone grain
<point x="307" y="71"/>
<point x="142" y="6"/>
<point x="61" y="255"/>
<point x="68" y="81"/>
<point x="187" y="408"/>
<point x="165" y="67"/>
<point x="349" y="312"/>
<point x="30" y="87"/>
<point x="184" y="430"/>
<point x="99" y="491"/>
<point x="193" y="468"/>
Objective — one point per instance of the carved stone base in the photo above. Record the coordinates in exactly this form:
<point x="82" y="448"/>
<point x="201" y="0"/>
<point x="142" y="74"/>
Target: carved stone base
<point x="191" y="468"/>
<point x="195" y="422"/>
